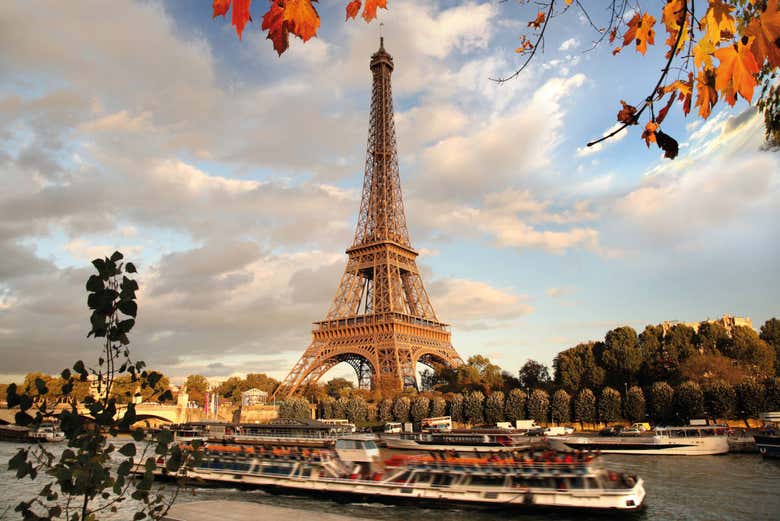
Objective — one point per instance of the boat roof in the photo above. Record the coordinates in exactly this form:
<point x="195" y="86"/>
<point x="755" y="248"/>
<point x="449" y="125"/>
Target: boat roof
<point x="289" y="423"/>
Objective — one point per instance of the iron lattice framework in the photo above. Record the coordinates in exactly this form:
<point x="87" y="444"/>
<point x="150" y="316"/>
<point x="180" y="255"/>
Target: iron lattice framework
<point x="381" y="320"/>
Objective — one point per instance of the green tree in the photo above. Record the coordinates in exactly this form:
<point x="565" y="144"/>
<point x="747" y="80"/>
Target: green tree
<point x="711" y="366"/>
<point x="338" y="387"/>
<point x="340" y="408"/>
<point x="401" y="408"/>
<point x="719" y="399"/>
<point x="534" y="375"/>
<point x="560" y="409"/>
<point x="259" y="381"/>
<point x="770" y="333"/>
<point x="231" y="389"/>
<point x="295" y="409"/>
<point x="90" y="477"/>
<point x="756" y="354"/>
<point x="661" y="402"/>
<point x="712" y="338"/>
<point x="539" y="405"/>
<point x="494" y="408"/>
<point x="197" y="386"/>
<point x="326" y="408"/>
<point x="386" y="410"/>
<point x="751" y="398"/>
<point x="658" y="363"/>
<point x="478" y="373"/>
<point x="357" y="410"/>
<point x="585" y="406"/>
<point x="473" y="407"/>
<point x="609" y="405"/>
<point x="514" y="409"/>
<point x="679" y="344"/>
<point x="421" y="406"/>
<point x="438" y="407"/>
<point x="688" y="401"/>
<point x="621" y="357"/>
<point x="576" y="368"/>
<point x="456" y="408"/>
<point x="634" y="406"/>
<point x="772" y="386"/>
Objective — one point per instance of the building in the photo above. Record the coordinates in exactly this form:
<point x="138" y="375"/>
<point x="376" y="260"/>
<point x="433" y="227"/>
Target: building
<point x="727" y="321"/>
<point x="253" y="397"/>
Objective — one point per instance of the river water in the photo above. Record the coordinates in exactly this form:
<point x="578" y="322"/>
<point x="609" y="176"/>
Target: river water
<point x="695" y="488"/>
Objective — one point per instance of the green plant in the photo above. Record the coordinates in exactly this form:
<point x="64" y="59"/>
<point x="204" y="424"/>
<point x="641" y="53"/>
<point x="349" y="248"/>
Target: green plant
<point x="82" y="483"/>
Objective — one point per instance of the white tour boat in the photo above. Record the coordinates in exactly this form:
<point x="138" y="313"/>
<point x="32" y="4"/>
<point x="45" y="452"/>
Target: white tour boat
<point x="460" y="441"/>
<point x="514" y="480"/>
<point x="672" y="441"/>
<point x="46" y="432"/>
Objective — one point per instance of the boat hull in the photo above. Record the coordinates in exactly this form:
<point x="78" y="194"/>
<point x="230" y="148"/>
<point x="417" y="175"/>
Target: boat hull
<point x="348" y="490"/>
<point x="706" y="446"/>
<point x="768" y="446"/>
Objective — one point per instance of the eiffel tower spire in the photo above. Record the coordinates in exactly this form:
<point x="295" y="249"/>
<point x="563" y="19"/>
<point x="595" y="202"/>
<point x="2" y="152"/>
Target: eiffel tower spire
<point x="381" y="321"/>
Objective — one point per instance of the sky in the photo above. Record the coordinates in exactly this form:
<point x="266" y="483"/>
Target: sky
<point x="231" y="177"/>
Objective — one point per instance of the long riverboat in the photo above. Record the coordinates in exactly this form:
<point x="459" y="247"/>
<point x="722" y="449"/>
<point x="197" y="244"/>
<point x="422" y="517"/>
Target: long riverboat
<point x="485" y="440"/>
<point x="515" y="480"/>
<point x="674" y="441"/>
<point x="278" y="432"/>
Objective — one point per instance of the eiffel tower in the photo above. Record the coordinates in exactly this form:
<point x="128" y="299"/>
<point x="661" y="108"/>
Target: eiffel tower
<point x="381" y="321"/>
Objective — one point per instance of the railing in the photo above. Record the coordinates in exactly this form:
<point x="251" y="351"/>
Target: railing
<point x="379" y="319"/>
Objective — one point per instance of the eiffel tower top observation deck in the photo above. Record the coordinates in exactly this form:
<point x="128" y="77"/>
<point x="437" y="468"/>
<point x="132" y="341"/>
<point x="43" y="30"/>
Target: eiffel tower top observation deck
<point x="381" y="320"/>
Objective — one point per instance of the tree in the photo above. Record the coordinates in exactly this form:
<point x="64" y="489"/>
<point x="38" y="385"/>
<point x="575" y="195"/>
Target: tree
<point x="719" y="399"/>
<point x="539" y="405"/>
<point x="560" y="409"/>
<point x="338" y="387"/>
<point x="478" y="373"/>
<point x="386" y="410"/>
<point x="421" y="406"/>
<point x="401" y="408"/>
<point x="661" y="402"/>
<point x="456" y="408"/>
<point x="494" y="408"/>
<point x="514" y="409"/>
<point x="585" y="406"/>
<point x="90" y="477"/>
<point x="534" y="375"/>
<point x="576" y="368"/>
<point x="295" y="409"/>
<point x="756" y="355"/>
<point x="197" y="386"/>
<point x="751" y="398"/>
<point x="741" y="35"/>
<point x="711" y="366"/>
<point x="259" y="381"/>
<point x="688" y="401"/>
<point x="634" y="407"/>
<point x="770" y="333"/>
<point x="231" y="389"/>
<point x="326" y="408"/>
<point x="621" y="357"/>
<point x="357" y="410"/>
<point x="679" y="343"/>
<point x="772" y="386"/>
<point x="340" y="408"/>
<point x="712" y="338"/>
<point x="473" y="406"/>
<point x="609" y="405"/>
<point x="438" y="407"/>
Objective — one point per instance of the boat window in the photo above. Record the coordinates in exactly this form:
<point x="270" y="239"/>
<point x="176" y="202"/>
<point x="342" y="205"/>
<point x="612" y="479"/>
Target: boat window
<point x="421" y="477"/>
<point x="369" y="444"/>
<point x="346" y="444"/>
<point x="487" y="481"/>
<point x="577" y="482"/>
<point x="442" y="480"/>
<point x="592" y="483"/>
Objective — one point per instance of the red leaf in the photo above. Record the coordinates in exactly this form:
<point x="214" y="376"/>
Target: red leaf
<point x="301" y="17"/>
<point x="241" y="15"/>
<point x="369" y="11"/>
<point x="220" y="7"/>
<point x="273" y="22"/>
<point x="352" y="9"/>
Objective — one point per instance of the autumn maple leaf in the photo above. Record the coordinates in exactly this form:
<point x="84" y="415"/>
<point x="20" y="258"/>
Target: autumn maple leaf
<point x="278" y="31"/>
<point x="240" y="12"/>
<point x="765" y="30"/>
<point x="640" y="29"/>
<point x="301" y="17"/>
<point x="718" y="21"/>
<point x="537" y="22"/>
<point x="706" y="95"/>
<point x="649" y="134"/>
<point x="737" y="71"/>
<point x="369" y="11"/>
<point x="352" y="9"/>
<point x="627" y="114"/>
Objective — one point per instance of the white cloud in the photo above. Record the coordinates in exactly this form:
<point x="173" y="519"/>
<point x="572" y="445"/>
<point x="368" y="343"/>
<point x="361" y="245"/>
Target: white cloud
<point x="469" y="303"/>
<point x="567" y="45"/>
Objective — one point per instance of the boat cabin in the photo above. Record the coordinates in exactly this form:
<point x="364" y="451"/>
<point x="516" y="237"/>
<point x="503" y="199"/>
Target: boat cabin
<point x="357" y="449"/>
<point x="691" y="431"/>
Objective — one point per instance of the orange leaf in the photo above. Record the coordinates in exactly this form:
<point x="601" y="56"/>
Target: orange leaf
<point x="301" y="17"/>
<point x="241" y="15"/>
<point x="220" y="7"/>
<point x="662" y="113"/>
<point x="538" y="21"/>
<point x="737" y="71"/>
<point x="672" y="16"/>
<point x="706" y="95"/>
<point x="627" y="114"/>
<point x="718" y="21"/>
<point x="369" y="11"/>
<point x="352" y="9"/>
<point x="766" y="31"/>
<point x="616" y="50"/>
<point x="649" y="134"/>
<point x="702" y="53"/>
<point x="640" y="30"/>
<point x="273" y="22"/>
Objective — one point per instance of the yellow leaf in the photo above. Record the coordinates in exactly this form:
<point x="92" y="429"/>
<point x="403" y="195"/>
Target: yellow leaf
<point x="736" y="73"/>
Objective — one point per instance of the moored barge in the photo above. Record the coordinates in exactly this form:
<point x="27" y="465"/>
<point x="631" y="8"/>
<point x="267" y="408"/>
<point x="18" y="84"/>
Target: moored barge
<point x="515" y="480"/>
<point x="672" y="441"/>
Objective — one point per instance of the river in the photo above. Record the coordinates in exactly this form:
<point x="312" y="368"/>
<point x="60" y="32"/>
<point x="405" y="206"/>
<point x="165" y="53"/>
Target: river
<point x="695" y="488"/>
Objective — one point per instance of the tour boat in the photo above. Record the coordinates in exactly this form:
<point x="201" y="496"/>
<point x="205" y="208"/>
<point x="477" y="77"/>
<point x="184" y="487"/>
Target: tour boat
<point x="486" y="440"/>
<point x="515" y="480"/>
<point x="674" y="441"/>
<point x="280" y="431"/>
<point x="46" y="432"/>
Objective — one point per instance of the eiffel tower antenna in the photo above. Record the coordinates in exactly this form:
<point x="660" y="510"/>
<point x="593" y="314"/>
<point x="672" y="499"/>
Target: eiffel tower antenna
<point x="381" y="320"/>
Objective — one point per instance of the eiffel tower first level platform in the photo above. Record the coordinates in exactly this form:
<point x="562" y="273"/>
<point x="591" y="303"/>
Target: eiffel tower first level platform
<point x="381" y="321"/>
